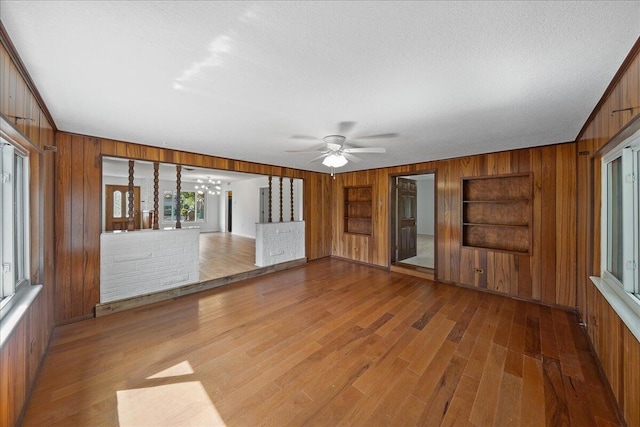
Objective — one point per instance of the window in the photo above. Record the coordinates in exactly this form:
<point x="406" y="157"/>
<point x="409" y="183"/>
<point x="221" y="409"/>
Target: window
<point x="620" y="223"/>
<point x="192" y="206"/>
<point x="117" y="204"/>
<point x="14" y="199"/>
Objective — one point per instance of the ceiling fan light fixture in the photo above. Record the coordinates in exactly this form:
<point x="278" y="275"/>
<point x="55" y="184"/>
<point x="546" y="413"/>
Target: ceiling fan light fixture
<point x="334" y="139"/>
<point x="334" y="160"/>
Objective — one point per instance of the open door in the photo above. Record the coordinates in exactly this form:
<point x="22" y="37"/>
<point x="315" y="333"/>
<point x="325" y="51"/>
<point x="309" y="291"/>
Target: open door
<point x="117" y="207"/>
<point x="407" y="232"/>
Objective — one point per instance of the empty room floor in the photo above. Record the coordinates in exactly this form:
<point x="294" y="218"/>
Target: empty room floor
<point x="328" y="343"/>
<point x="225" y="254"/>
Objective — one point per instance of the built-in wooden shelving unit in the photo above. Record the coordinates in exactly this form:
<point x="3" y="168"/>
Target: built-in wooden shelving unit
<point x="497" y="212"/>
<point x="358" y="208"/>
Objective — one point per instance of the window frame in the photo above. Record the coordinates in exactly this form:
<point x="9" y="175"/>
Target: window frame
<point x="9" y="288"/>
<point x="175" y="208"/>
<point x="627" y="289"/>
<point x="14" y="308"/>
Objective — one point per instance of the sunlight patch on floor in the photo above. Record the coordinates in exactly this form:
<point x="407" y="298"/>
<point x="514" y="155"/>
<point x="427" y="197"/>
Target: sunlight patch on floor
<point x="182" y="368"/>
<point x="181" y="404"/>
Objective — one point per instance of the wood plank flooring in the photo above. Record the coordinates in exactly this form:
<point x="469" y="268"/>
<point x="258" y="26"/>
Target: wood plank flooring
<point x="331" y="343"/>
<point x="225" y="254"/>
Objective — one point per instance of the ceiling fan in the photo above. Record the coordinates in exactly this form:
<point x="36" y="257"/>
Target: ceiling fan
<point x="335" y="154"/>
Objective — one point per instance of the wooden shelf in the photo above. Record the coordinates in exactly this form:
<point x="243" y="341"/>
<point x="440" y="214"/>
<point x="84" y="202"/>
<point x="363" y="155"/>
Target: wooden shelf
<point x="358" y="210"/>
<point x="497" y="213"/>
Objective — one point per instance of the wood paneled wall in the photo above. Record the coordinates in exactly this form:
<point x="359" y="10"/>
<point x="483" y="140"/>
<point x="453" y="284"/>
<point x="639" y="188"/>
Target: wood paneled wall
<point x="561" y="258"/>
<point x="22" y="353"/>
<point x="617" y="348"/>
<point x="78" y="219"/>
<point x="548" y="275"/>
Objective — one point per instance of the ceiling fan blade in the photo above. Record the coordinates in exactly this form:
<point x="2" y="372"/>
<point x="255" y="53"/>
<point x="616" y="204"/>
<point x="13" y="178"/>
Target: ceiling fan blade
<point x="365" y="150"/>
<point x="305" y="137"/>
<point x="351" y="157"/>
<point x="305" y="151"/>
<point x="319" y="157"/>
<point x="345" y="127"/>
<point x="379" y="136"/>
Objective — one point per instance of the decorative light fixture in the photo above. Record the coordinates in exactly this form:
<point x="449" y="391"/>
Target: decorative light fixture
<point x="203" y="187"/>
<point x="334" y="160"/>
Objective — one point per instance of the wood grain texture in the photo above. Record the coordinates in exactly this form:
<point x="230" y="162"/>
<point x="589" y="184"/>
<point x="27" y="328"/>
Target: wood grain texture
<point x="35" y="200"/>
<point x="583" y="224"/>
<point x="327" y="343"/>
<point x="92" y="179"/>
<point x="22" y="353"/>
<point x="548" y="226"/>
<point x="616" y="348"/>
<point x="79" y="205"/>
<point x="322" y="239"/>
<point x="543" y="276"/>
<point x="63" y="223"/>
<point x="631" y="379"/>
<point x="77" y="228"/>
<point x="357" y="210"/>
<point x="565" y="233"/>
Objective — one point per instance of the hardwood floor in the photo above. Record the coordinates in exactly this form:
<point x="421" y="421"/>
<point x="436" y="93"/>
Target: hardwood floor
<point x="225" y="254"/>
<point x="329" y="343"/>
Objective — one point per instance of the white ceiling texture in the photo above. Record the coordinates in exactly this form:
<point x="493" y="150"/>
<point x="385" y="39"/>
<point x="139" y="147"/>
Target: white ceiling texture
<point x="240" y="79"/>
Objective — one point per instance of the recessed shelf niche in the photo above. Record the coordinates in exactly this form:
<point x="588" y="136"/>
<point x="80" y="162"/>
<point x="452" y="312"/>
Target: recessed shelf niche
<point x="497" y="212"/>
<point x="358" y="208"/>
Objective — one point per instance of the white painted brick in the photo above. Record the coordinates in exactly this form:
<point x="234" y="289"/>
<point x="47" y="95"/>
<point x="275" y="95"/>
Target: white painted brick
<point x="279" y="242"/>
<point x="143" y="262"/>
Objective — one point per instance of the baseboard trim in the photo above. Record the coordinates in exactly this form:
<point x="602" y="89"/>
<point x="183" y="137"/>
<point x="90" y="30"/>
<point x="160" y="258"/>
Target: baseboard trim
<point x="421" y="272"/>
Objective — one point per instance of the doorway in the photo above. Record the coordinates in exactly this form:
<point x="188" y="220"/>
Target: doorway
<point x="229" y="209"/>
<point x="117" y="207"/>
<point x="406" y="238"/>
<point x="264" y="205"/>
<point x="413" y="222"/>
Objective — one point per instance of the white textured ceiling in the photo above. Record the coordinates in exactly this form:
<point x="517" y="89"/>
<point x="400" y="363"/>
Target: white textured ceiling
<point x="238" y="79"/>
